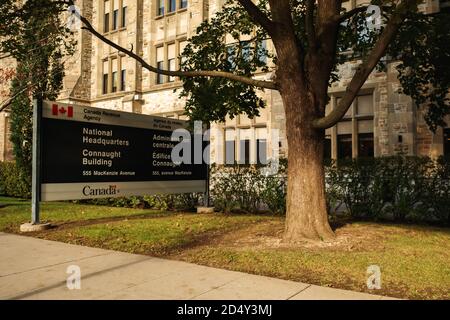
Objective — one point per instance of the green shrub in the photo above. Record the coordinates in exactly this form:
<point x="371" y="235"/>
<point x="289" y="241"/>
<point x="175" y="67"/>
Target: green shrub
<point x="438" y="195"/>
<point x="399" y="188"/>
<point x="13" y="182"/>
<point x="246" y="189"/>
<point x="182" y="202"/>
<point x="273" y="194"/>
<point x="164" y="202"/>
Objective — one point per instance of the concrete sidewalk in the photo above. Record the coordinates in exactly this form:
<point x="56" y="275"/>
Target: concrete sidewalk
<point x="32" y="268"/>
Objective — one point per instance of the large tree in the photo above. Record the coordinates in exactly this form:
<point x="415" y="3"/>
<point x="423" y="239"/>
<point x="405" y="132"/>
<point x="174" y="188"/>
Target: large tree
<point x="34" y="33"/>
<point x="309" y="38"/>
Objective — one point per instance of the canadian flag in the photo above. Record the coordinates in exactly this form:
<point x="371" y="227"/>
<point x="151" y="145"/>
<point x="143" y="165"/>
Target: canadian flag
<point x="60" y="110"/>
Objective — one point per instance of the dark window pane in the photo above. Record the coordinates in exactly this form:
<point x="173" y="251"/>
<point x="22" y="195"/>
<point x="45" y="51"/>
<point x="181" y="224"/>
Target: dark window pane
<point x="261" y="151"/>
<point x="230" y="153"/>
<point x="262" y="51"/>
<point x="344" y="146"/>
<point x="183" y="4"/>
<point x="447" y="142"/>
<point x="171" y="68"/>
<point x="244" y="152"/>
<point x="160" y="77"/>
<point x="124" y="16"/>
<point x="231" y="51"/>
<point x="114" y="82"/>
<point x="172" y="5"/>
<point x="327" y="148"/>
<point x="115" y="19"/>
<point x="246" y="55"/>
<point x="106" y="23"/>
<point x="105" y="83"/>
<point x="122" y="80"/>
<point x="365" y="145"/>
<point x="160" y="8"/>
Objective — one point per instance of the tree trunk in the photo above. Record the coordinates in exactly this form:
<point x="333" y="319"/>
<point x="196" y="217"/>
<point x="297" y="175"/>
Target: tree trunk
<point x="306" y="215"/>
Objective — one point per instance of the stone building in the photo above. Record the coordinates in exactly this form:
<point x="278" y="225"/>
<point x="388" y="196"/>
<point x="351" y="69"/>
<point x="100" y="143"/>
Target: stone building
<point x="380" y="122"/>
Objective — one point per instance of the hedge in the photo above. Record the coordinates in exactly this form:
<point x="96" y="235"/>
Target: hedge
<point x="396" y="188"/>
<point x="13" y="182"/>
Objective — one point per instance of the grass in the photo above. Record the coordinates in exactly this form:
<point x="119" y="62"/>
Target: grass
<point x="414" y="260"/>
<point x="18" y="211"/>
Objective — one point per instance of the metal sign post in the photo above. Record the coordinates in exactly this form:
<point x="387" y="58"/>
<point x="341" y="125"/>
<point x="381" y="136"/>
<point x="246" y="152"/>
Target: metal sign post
<point x="207" y="208"/>
<point x="35" y="224"/>
<point x="36" y="161"/>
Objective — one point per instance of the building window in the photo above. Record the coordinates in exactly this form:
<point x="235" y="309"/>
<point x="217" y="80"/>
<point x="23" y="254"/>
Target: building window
<point x="364" y="105"/>
<point x="261" y="146"/>
<point x="246" y="53"/>
<point x="124" y="14"/>
<point x="244" y="151"/>
<point x="244" y="138"/>
<point x="172" y="5"/>
<point x="181" y="45"/>
<point x="262" y="51"/>
<point x="183" y="4"/>
<point x="122" y="79"/>
<point x="246" y="141"/>
<point x="114" y="75"/>
<point x="171" y="55"/>
<point x="261" y="151"/>
<point x="160" y="11"/>
<point x="105" y="77"/>
<point x="106" y="17"/>
<point x="115" y="17"/>
<point x="344" y="146"/>
<point x="230" y="146"/>
<point x="160" y="64"/>
<point x="353" y="135"/>
<point x="365" y="145"/>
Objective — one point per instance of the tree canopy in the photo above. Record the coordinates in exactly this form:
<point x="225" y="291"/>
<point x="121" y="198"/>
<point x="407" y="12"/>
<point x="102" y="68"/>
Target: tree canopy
<point x="35" y="35"/>
<point x="232" y="42"/>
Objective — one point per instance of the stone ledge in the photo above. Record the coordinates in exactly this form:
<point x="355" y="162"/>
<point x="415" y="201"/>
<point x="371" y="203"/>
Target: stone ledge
<point x="29" y="227"/>
<point x="205" y="209"/>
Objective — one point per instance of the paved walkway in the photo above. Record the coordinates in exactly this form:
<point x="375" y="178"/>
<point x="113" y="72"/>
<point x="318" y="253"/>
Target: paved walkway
<point x="32" y="268"/>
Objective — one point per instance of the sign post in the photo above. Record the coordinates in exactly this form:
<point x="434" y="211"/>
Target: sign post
<point x="36" y="162"/>
<point x="35" y="224"/>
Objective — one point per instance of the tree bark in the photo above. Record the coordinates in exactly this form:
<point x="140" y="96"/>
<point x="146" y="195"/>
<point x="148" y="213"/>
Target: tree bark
<point x="306" y="215"/>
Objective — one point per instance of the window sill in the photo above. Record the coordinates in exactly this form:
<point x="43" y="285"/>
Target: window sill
<point x="171" y="13"/>
<point x="110" y="95"/>
<point x="364" y="116"/>
<point x="114" y="31"/>
<point x="166" y="85"/>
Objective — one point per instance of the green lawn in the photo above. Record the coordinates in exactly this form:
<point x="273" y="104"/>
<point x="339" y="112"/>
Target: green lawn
<point x="414" y="260"/>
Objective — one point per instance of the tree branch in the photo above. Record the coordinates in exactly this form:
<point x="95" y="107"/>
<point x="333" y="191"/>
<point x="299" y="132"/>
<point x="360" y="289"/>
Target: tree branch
<point x="368" y="65"/>
<point x="257" y="15"/>
<point x="348" y="14"/>
<point x="5" y="104"/>
<point x="7" y="55"/>
<point x="201" y="73"/>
